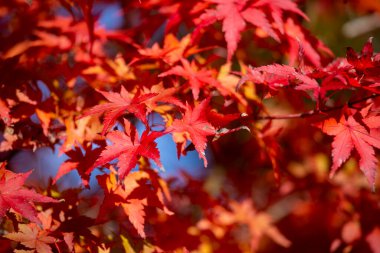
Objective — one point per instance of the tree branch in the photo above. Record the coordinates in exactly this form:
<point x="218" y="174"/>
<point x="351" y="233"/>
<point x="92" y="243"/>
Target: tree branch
<point x="315" y="111"/>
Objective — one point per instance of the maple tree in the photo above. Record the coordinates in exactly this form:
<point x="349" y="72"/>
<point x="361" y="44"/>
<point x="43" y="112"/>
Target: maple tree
<point x="285" y="134"/>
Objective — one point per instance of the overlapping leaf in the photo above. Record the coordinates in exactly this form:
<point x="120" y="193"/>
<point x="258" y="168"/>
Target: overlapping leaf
<point x="154" y="190"/>
<point x="197" y="78"/>
<point x="119" y="104"/>
<point x="80" y="160"/>
<point x="14" y="195"/>
<point x="128" y="148"/>
<point x="195" y="127"/>
<point x="33" y="237"/>
<point x="278" y="76"/>
<point x="234" y="15"/>
<point x="350" y="133"/>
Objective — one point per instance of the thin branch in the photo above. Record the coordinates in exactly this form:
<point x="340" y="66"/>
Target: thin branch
<point x="315" y="111"/>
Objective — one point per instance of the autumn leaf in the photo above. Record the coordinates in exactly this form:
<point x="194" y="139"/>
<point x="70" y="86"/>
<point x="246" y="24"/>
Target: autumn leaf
<point x="172" y="51"/>
<point x="128" y="149"/>
<point x="133" y="205"/>
<point x="195" y="127"/>
<point x="14" y="195"/>
<point x="278" y="76"/>
<point x="219" y="120"/>
<point x="116" y="195"/>
<point x="136" y="214"/>
<point x="234" y="15"/>
<point x="364" y="60"/>
<point x="367" y="66"/>
<point x="164" y="96"/>
<point x="196" y="78"/>
<point x="297" y="37"/>
<point x="80" y="160"/>
<point x="33" y="237"/>
<point x="79" y="131"/>
<point x="110" y="71"/>
<point x="46" y="40"/>
<point x="120" y="103"/>
<point x="4" y="113"/>
<point x="349" y="134"/>
<point x="257" y="223"/>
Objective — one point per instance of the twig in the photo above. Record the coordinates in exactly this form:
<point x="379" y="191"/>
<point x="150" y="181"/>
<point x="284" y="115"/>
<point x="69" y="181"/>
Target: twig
<point x="315" y="111"/>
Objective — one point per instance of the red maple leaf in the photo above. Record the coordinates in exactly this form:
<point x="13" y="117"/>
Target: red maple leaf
<point x="37" y="237"/>
<point x="367" y="66"/>
<point x="33" y="237"/>
<point x="197" y="78"/>
<point x="235" y="14"/>
<point x="364" y="60"/>
<point x="120" y="103"/>
<point x="14" y="195"/>
<point x="116" y="195"/>
<point x="277" y="76"/>
<point x="350" y="133"/>
<point x="299" y="40"/>
<point x="155" y="192"/>
<point x="128" y="149"/>
<point x="193" y="126"/>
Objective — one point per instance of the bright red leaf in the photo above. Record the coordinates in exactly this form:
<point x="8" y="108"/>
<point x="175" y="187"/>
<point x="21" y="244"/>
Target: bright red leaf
<point x="278" y="76"/>
<point x="128" y="149"/>
<point x="235" y="14"/>
<point x="155" y="192"/>
<point x="350" y="134"/>
<point x="14" y="195"/>
<point x="364" y="60"/>
<point x="197" y="78"/>
<point x="120" y="103"/>
<point x="193" y="126"/>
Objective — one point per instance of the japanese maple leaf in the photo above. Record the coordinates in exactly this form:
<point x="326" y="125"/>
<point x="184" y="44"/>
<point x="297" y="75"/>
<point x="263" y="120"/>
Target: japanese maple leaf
<point x="172" y="51"/>
<point x="14" y="195"/>
<point x="133" y="205"/>
<point x="195" y="127"/>
<point x="80" y="161"/>
<point x="128" y="149"/>
<point x="136" y="214"/>
<point x="235" y="14"/>
<point x="367" y="66"/>
<point x="164" y="96"/>
<point x="299" y="37"/>
<point x="197" y="78"/>
<point x="364" y="60"/>
<point x="120" y="103"/>
<point x="116" y="195"/>
<point x="276" y="76"/>
<point x="350" y="134"/>
<point x="33" y="237"/>
<point x="233" y="23"/>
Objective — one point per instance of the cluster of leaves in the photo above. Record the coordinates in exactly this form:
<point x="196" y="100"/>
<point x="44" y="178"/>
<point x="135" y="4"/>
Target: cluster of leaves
<point x="189" y="70"/>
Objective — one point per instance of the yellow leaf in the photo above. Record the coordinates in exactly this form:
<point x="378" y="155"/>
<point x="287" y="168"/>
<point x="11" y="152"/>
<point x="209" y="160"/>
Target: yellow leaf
<point x="126" y="245"/>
